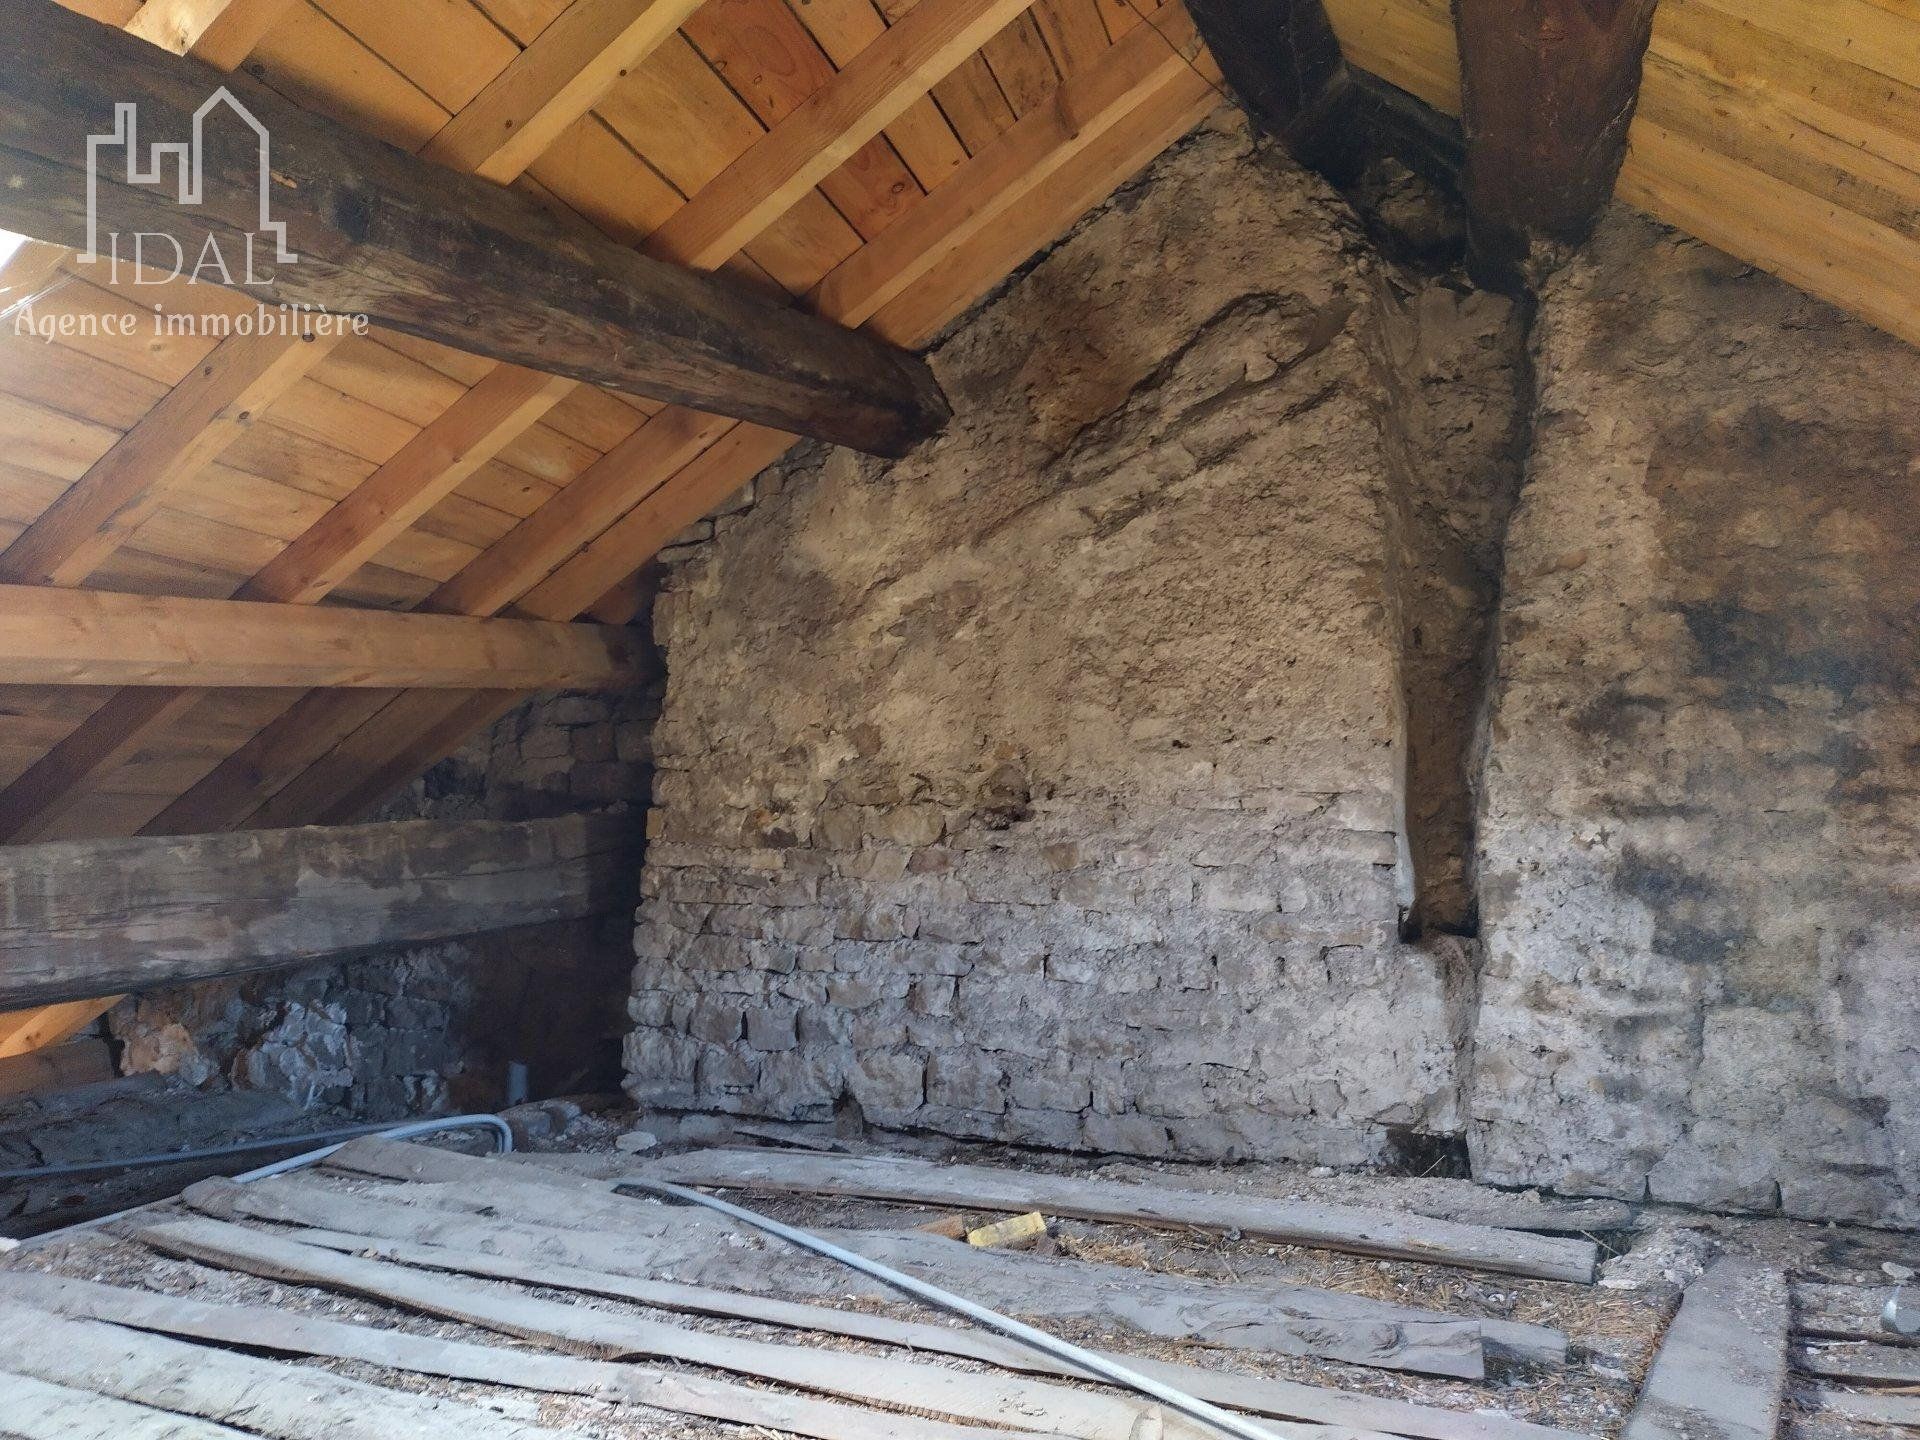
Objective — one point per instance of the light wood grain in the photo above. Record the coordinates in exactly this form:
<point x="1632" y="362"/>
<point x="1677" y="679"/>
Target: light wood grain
<point x="876" y="88"/>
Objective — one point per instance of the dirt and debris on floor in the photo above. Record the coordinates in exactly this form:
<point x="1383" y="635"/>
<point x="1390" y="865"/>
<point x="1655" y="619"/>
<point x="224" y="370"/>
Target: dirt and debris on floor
<point x="1614" y="1327"/>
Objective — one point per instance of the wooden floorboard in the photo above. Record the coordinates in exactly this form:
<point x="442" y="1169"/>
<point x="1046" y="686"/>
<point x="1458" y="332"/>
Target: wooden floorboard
<point x="1334" y="1227"/>
<point x="258" y="1327"/>
<point x="1722" y="1367"/>
<point x="984" y="1399"/>
<point x="434" y="1236"/>
<point x="223" y="1387"/>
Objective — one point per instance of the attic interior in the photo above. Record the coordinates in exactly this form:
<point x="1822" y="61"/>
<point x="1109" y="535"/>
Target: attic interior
<point x="1234" y="679"/>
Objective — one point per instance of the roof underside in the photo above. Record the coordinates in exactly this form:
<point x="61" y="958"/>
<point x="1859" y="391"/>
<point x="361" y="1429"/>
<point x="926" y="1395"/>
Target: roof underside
<point x="1785" y="131"/>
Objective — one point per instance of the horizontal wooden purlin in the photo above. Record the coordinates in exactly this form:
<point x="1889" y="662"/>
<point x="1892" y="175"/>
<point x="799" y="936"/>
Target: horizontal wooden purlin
<point x="425" y="251"/>
<point x="83" y="918"/>
<point x="89" y="637"/>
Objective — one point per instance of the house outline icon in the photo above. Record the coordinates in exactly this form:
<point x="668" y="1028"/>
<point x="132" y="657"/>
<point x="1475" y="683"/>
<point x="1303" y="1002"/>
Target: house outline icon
<point x="189" y="165"/>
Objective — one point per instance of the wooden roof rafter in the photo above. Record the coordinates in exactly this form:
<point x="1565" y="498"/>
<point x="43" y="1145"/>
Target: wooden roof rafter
<point x="640" y="492"/>
<point x="1151" y="73"/>
<point x="321" y="726"/>
<point x="554" y="82"/>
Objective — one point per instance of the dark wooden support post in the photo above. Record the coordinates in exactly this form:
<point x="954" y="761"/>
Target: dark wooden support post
<point x="1281" y="58"/>
<point x="413" y="247"/>
<point x="1283" y="61"/>
<point x="1549" y="89"/>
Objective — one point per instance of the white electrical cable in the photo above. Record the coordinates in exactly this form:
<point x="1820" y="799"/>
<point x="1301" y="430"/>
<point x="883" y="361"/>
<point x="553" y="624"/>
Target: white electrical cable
<point x="502" y="1134"/>
<point x="1051" y="1345"/>
<point x="297" y="1162"/>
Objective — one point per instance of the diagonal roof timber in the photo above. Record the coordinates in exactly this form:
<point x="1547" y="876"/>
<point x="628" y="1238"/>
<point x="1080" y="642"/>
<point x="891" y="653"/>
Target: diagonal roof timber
<point x="422" y="250"/>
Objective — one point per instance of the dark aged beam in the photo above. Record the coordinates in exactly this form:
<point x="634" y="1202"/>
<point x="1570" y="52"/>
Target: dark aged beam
<point x="100" y="917"/>
<point x="1281" y="58"/>
<point x="1548" y="90"/>
<point x="1284" y="63"/>
<point x="418" y="248"/>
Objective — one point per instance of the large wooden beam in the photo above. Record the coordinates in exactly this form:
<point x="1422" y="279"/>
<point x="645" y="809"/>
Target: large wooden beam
<point x="1284" y="64"/>
<point x="428" y="467"/>
<point x="93" y="637"/>
<point x="82" y="918"/>
<point x="422" y="250"/>
<point x="1281" y="58"/>
<point x="1548" y="89"/>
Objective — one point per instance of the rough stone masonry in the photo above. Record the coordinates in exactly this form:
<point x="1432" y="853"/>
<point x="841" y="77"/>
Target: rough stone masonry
<point x="1703" y="817"/>
<point x="1111" y="773"/>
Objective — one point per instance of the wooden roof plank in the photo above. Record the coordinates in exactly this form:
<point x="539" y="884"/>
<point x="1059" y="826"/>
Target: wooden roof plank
<point x="555" y="81"/>
<point x="835" y="121"/>
<point x="968" y="271"/>
<point x="775" y="65"/>
<point x="921" y="135"/>
<point x="1003" y="174"/>
<point x="1019" y="60"/>
<point x="282" y="748"/>
<point x="189" y="427"/>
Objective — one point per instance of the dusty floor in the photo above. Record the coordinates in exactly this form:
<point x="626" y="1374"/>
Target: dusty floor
<point x="1614" y="1327"/>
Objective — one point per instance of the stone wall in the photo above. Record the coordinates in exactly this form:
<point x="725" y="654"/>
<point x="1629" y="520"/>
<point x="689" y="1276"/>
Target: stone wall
<point x="433" y="1027"/>
<point x="1198" y="750"/>
<point x="1703" y="911"/>
<point x="1049" y="785"/>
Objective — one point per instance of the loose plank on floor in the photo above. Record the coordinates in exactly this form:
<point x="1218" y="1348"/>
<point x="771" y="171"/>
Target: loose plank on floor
<point x="1870" y="1408"/>
<point x="457" y="1180"/>
<point x="262" y="1327"/>
<point x="34" y="1410"/>
<point x="1280" y="1399"/>
<point x="1256" y="1316"/>
<point x="463" y="1181"/>
<point x="267" y="1397"/>
<point x="1862" y="1363"/>
<point x="648" y="1240"/>
<point x="1722" y="1367"/>
<point x="988" y="1399"/>
<point x="1353" y="1228"/>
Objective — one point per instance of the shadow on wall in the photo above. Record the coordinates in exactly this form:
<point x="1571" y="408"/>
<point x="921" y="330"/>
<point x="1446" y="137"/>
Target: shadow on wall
<point x="426" y="1031"/>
